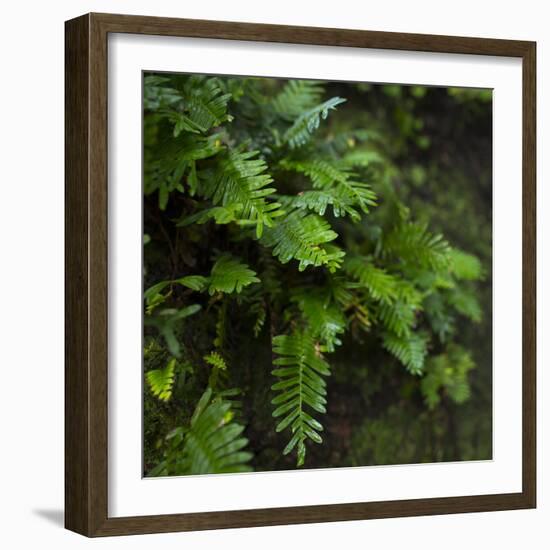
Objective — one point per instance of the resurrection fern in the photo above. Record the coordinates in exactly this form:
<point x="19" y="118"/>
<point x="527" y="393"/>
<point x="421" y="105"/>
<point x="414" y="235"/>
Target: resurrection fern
<point x="301" y="390"/>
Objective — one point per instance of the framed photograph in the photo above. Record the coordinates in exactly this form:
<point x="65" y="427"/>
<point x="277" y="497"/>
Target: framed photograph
<point x="300" y="275"/>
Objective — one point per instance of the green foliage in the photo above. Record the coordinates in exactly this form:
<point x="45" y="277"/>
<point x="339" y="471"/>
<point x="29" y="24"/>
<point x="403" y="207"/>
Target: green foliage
<point x="240" y="183"/>
<point x="410" y="349"/>
<point x="447" y="372"/>
<point x="303" y="237"/>
<point x="166" y="322"/>
<point x="301" y="389"/>
<point x="229" y="275"/>
<point x="413" y="243"/>
<point x="211" y="444"/>
<point x="304" y="245"/>
<point x="161" y="381"/>
<point x="304" y="126"/>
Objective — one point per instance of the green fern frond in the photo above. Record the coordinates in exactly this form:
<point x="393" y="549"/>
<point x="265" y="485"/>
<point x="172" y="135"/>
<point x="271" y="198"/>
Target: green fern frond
<point x="413" y="243"/>
<point x="411" y="350"/>
<point x="325" y="320"/>
<point x="296" y="97"/>
<point x="333" y="186"/>
<point x="158" y="93"/>
<point x="466" y="303"/>
<point x="344" y="200"/>
<point x="229" y="275"/>
<point x="164" y="170"/>
<point x="304" y="237"/>
<point x="304" y="126"/>
<point x="322" y="173"/>
<point x="216" y="360"/>
<point x="465" y="266"/>
<point x="241" y="179"/>
<point x="161" y="381"/>
<point x="398" y="317"/>
<point x="382" y="286"/>
<point x="301" y="389"/>
<point x="214" y="443"/>
<point x="220" y="214"/>
<point x="205" y="103"/>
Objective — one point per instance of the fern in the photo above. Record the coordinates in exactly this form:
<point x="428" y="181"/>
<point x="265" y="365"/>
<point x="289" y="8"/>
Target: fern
<point x="325" y="320"/>
<point x="465" y="266"/>
<point x="216" y="360"/>
<point x="213" y="443"/>
<point x="296" y="97"/>
<point x="322" y="173"/>
<point x="300" y="132"/>
<point x="172" y="161"/>
<point x="229" y="275"/>
<point x="414" y="244"/>
<point x="303" y="237"/>
<point x="301" y="389"/>
<point x="466" y="304"/>
<point x="205" y="103"/>
<point x="399" y="317"/>
<point x="382" y="286"/>
<point x="161" y="381"/>
<point x="240" y="182"/>
<point x="332" y="186"/>
<point x="411" y="350"/>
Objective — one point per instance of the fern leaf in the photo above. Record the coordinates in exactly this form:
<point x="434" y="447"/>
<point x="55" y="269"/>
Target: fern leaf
<point x="216" y="360"/>
<point x="382" y="286"/>
<point x="466" y="303"/>
<point x="411" y="350"/>
<point x="304" y="126"/>
<point x="465" y="266"/>
<point x="304" y="237"/>
<point x="325" y="320"/>
<point x="205" y="103"/>
<point x="332" y="186"/>
<point x="230" y="275"/>
<point x="241" y="180"/>
<point x="165" y="167"/>
<point x="296" y="97"/>
<point x="161" y="381"/>
<point x="398" y="317"/>
<point x="322" y="173"/>
<point x="414" y="244"/>
<point x="214" y="442"/>
<point x="301" y="390"/>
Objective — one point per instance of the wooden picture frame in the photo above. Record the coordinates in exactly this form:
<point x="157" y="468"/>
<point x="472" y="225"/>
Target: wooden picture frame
<point x="86" y="414"/>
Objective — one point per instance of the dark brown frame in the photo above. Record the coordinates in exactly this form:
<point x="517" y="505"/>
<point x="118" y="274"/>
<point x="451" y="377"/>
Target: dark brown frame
<point x="86" y="274"/>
